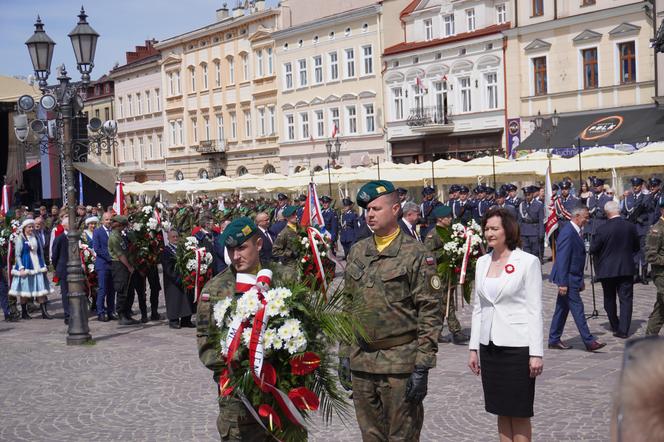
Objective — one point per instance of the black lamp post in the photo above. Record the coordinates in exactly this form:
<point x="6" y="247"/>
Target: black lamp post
<point x="548" y="133"/>
<point x="333" y="151"/>
<point x="66" y="102"/>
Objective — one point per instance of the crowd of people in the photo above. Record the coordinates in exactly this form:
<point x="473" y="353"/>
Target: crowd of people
<point x="390" y="247"/>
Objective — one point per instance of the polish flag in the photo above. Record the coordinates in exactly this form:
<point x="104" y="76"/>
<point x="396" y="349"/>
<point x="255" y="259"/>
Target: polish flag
<point x="312" y="214"/>
<point x="6" y="200"/>
<point x="119" y="202"/>
<point x="550" y="209"/>
<point x="335" y="131"/>
<point x="420" y="86"/>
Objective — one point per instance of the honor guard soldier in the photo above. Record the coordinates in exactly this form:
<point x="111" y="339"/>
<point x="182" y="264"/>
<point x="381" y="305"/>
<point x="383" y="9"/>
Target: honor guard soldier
<point x="453" y="194"/>
<point x="501" y="201"/>
<point x="512" y="197"/>
<point x="567" y="202"/>
<point x="595" y="204"/>
<point x="403" y="195"/>
<point x="636" y="209"/>
<point x="655" y="257"/>
<point x="243" y="244"/>
<point x="462" y="209"/>
<point x="434" y="242"/>
<point x="302" y="200"/>
<point x="394" y="278"/>
<point x="429" y="203"/>
<point x="531" y="222"/>
<point x="481" y="203"/>
<point x="349" y="223"/>
<point x="331" y="220"/>
<point x="282" y="202"/>
<point x="286" y="245"/>
<point x="655" y="186"/>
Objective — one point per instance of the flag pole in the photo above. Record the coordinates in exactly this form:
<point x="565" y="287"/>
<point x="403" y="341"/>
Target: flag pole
<point x="378" y="162"/>
<point x="578" y="141"/>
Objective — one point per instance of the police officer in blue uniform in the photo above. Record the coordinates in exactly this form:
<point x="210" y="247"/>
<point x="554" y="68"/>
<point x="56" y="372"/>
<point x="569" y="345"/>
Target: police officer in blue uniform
<point x="655" y="186"/>
<point x="481" y="203"/>
<point x="512" y="195"/>
<point x="637" y="210"/>
<point x="567" y="203"/>
<point x="426" y="210"/>
<point x="462" y="209"/>
<point x="501" y="201"/>
<point x="302" y="199"/>
<point x="349" y="224"/>
<point x="595" y="205"/>
<point x="331" y="220"/>
<point x="531" y="222"/>
<point x="453" y="195"/>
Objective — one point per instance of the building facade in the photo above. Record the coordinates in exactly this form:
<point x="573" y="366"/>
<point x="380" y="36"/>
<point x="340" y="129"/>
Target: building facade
<point x="588" y="60"/>
<point x="99" y="101"/>
<point x="444" y="84"/>
<point x="220" y="96"/>
<point x="138" y="111"/>
<point x="329" y="89"/>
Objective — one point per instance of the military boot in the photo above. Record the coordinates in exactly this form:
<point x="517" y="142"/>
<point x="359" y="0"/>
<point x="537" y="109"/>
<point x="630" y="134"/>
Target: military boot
<point x="644" y="275"/>
<point x="44" y="312"/>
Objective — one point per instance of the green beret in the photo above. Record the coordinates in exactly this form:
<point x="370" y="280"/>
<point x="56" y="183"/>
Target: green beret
<point x="442" y="211"/>
<point x="120" y="219"/>
<point x="372" y="190"/>
<point x="289" y="211"/>
<point x="237" y="232"/>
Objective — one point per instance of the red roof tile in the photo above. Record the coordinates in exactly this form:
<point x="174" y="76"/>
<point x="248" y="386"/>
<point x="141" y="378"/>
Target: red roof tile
<point x="410" y="8"/>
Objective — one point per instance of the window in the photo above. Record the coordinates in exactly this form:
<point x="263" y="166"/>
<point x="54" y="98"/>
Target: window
<point x="245" y="67"/>
<point x="288" y="76"/>
<point x="397" y="100"/>
<point x="194" y="129"/>
<point x="302" y="71"/>
<point x="273" y="128"/>
<point x="448" y="22"/>
<point x="270" y="62"/>
<point x="334" y="66"/>
<point x="157" y="100"/>
<point x="589" y="57"/>
<point x="318" y="69"/>
<point x="160" y="146"/>
<point x="351" y="119"/>
<point x="192" y="74"/>
<point x="304" y="125"/>
<point x="367" y="60"/>
<point x="369" y="118"/>
<point x="217" y="73"/>
<point x="627" y="62"/>
<point x="350" y="62"/>
<point x="247" y="124"/>
<point x="171" y="89"/>
<point x="231" y="70"/>
<point x="261" y="121"/>
<point x="148" y="103"/>
<point x="139" y="105"/>
<point x="491" y="80"/>
<point x="130" y="111"/>
<point x="220" y="128"/>
<point x="539" y="73"/>
<point x="466" y="104"/>
<point x="501" y="13"/>
<point x="178" y="84"/>
<point x="173" y="133"/>
<point x="290" y="126"/>
<point x="428" y="29"/>
<point x="320" y="124"/>
<point x="233" y="125"/>
<point x="334" y="120"/>
<point x="120" y="106"/>
<point x="418" y="97"/>
<point x="180" y="133"/>
<point x="470" y="19"/>
<point x="140" y="153"/>
<point x="150" y="154"/>
<point x="97" y="113"/>
<point x="538" y="8"/>
<point x="205" y="77"/>
<point x="132" y="152"/>
<point x="206" y="121"/>
<point x="259" y="63"/>
<point x="107" y="114"/>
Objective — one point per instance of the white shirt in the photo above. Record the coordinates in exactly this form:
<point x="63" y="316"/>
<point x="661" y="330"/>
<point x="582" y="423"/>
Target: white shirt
<point x="411" y="228"/>
<point x="491" y="287"/>
<point x="266" y="233"/>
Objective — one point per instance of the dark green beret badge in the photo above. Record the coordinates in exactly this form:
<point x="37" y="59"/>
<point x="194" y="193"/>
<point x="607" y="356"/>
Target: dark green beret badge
<point x="237" y="232"/>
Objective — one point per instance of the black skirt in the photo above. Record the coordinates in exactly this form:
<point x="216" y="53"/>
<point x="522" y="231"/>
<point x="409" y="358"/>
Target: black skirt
<point x="508" y="388"/>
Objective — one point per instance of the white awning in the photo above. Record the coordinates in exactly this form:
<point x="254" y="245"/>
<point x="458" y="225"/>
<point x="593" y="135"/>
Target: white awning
<point x="100" y="173"/>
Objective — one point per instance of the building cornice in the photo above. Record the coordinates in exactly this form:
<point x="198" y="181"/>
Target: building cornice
<point x="138" y="66"/>
<point x="600" y="15"/>
<point x="342" y="17"/>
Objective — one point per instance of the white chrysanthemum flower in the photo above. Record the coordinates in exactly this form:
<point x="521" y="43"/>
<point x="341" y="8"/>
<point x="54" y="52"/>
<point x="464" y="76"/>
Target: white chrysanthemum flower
<point x="203" y="267"/>
<point x="191" y="265"/>
<point x="276" y="307"/>
<point x="290" y="329"/>
<point x="248" y="304"/>
<point x="91" y="267"/>
<point x="208" y="258"/>
<point x="3" y="241"/>
<point x="147" y="209"/>
<point x="246" y="336"/>
<point x="166" y="225"/>
<point x="137" y="226"/>
<point x="219" y="311"/>
<point x="152" y="224"/>
<point x="323" y="254"/>
<point x="271" y="340"/>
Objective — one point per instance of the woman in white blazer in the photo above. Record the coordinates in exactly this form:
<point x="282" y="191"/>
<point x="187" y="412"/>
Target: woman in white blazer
<point x="507" y="328"/>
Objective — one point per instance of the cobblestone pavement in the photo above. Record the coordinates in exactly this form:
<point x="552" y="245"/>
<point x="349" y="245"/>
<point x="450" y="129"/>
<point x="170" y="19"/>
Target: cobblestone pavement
<point x="146" y="384"/>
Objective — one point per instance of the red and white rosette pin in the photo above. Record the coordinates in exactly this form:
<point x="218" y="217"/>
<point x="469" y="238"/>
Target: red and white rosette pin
<point x="509" y="269"/>
<point x="264" y="280"/>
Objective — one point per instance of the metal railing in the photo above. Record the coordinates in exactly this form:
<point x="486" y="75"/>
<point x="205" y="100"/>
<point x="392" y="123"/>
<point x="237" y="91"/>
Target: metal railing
<point x="211" y="146"/>
<point x="426" y="116"/>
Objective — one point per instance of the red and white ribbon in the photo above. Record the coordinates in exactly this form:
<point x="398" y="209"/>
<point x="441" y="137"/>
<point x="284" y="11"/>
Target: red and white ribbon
<point x="314" y="237"/>
<point x="119" y="202"/>
<point x="200" y="256"/>
<point x="466" y="255"/>
<point x="4" y="207"/>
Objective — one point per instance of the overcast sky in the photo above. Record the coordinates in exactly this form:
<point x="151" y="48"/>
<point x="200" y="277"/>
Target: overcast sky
<point x="122" y="24"/>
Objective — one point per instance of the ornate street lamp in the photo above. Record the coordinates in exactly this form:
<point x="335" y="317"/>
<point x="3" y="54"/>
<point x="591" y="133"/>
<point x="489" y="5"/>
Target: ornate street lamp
<point x="84" y="41"/>
<point x="40" y="46"/>
<point x="333" y="152"/>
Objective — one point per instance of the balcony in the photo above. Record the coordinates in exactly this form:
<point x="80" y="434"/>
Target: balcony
<point x="208" y="147"/>
<point x="431" y="119"/>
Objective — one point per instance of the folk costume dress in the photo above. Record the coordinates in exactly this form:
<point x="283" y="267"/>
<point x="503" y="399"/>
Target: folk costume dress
<point x="29" y="257"/>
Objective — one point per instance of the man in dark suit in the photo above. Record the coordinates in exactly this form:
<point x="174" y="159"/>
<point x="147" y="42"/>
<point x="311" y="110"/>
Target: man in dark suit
<point x="105" y="292"/>
<point x="263" y="223"/>
<point x="59" y="259"/>
<point x="567" y="274"/>
<point x="613" y="247"/>
<point x="408" y="222"/>
<point x="43" y="237"/>
<point x="179" y="306"/>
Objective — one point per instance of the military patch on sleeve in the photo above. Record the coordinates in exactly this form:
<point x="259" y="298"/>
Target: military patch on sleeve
<point x="435" y="282"/>
<point x="205" y="297"/>
<point x="430" y="260"/>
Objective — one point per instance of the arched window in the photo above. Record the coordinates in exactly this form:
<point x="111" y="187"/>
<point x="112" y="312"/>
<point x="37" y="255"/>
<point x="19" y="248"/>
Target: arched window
<point x="269" y="168"/>
<point x="242" y="171"/>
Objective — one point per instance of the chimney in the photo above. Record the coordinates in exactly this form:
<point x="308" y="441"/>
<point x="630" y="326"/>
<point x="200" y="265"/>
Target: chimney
<point x="260" y="5"/>
<point x="238" y="11"/>
<point x="222" y="13"/>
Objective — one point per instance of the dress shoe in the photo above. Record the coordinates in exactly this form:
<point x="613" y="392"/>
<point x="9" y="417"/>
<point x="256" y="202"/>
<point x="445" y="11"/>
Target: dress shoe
<point x="11" y="318"/>
<point x="156" y="317"/>
<point x="112" y="317"/>
<point x="444" y="339"/>
<point x="594" y="346"/>
<point x="620" y="335"/>
<point x="144" y="319"/>
<point x="459" y="338"/>
<point x="174" y="323"/>
<point x="127" y="320"/>
<point x="560" y="345"/>
<point x="66" y="321"/>
<point x="102" y="318"/>
<point x="187" y="323"/>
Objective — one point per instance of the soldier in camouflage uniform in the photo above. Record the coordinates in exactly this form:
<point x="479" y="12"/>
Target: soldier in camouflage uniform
<point x="286" y="248"/>
<point x="121" y="269"/>
<point x="183" y="218"/>
<point x="394" y="277"/>
<point x="655" y="257"/>
<point x="243" y="244"/>
<point x="434" y="242"/>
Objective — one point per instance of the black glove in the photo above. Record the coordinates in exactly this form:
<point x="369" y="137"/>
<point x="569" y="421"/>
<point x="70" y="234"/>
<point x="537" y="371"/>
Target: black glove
<point x="344" y="374"/>
<point x="416" y="387"/>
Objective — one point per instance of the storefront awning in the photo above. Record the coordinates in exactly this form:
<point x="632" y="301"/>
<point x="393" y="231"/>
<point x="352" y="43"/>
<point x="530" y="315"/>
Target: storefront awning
<point x="625" y="129"/>
<point x="100" y="173"/>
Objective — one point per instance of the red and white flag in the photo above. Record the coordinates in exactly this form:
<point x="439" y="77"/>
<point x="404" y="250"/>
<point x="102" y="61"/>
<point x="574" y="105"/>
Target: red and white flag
<point x="119" y="202"/>
<point x="6" y="200"/>
<point x="420" y="85"/>
<point x="550" y="209"/>
<point x="335" y="131"/>
<point x="312" y="214"/>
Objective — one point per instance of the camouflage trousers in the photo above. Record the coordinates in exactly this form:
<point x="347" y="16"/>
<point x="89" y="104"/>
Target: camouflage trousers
<point x="453" y="324"/>
<point x="234" y="422"/>
<point x="656" y="319"/>
<point x="381" y="409"/>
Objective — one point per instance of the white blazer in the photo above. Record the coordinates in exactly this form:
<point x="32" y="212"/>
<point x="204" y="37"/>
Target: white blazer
<point x="514" y="317"/>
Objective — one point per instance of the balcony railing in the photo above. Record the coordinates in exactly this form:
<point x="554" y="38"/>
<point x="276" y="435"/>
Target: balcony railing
<point x="428" y="116"/>
<point x="211" y="146"/>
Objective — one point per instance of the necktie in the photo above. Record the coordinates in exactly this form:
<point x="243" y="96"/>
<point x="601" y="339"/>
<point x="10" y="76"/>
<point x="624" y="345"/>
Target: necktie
<point x="269" y="237"/>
